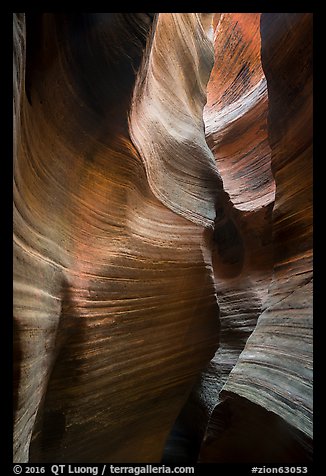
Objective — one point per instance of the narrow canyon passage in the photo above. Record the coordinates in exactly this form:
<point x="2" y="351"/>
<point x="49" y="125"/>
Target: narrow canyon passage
<point x="162" y="237"/>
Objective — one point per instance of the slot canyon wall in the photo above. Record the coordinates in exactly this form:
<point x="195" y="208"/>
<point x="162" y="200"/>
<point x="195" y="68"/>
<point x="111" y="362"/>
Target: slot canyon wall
<point x="163" y="237"/>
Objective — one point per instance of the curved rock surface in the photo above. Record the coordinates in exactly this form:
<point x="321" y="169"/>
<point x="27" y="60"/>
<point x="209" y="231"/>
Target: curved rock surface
<point x="274" y="372"/>
<point x="236" y="130"/>
<point x="163" y="237"/>
<point x="236" y="112"/>
<point x="279" y="352"/>
<point x="115" y="304"/>
<point x="167" y="115"/>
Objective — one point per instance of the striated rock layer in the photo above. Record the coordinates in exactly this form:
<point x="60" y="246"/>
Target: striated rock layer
<point x="115" y="305"/>
<point x="236" y="131"/>
<point x="236" y="112"/>
<point x="162" y="237"/>
<point x="284" y="329"/>
<point x="268" y="394"/>
<point x="167" y="115"/>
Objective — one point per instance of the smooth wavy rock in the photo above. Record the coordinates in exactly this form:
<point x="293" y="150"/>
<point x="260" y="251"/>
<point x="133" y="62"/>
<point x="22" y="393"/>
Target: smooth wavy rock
<point x="185" y="177"/>
<point x="266" y="414"/>
<point x="153" y="185"/>
<point x="236" y="131"/>
<point x="114" y="299"/>
<point x="236" y="112"/>
<point x="238" y="137"/>
<point x="277" y="360"/>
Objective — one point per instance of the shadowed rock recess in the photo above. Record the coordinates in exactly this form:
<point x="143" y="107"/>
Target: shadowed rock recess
<point x="162" y="237"/>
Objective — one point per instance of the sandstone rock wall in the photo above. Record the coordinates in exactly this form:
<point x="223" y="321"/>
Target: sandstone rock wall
<point x="162" y="237"/>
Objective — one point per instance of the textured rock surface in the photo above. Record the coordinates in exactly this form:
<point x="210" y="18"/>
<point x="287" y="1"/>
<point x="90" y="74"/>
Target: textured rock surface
<point x="236" y="112"/>
<point x="115" y="304"/>
<point x="152" y="231"/>
<point x="239" y="139"/>
<point x="167" y="115"/>
<point x="275" y="369"/>
<point x="236" y="131"/>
